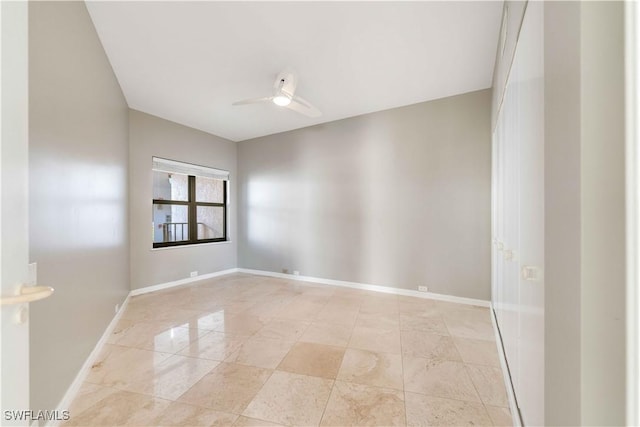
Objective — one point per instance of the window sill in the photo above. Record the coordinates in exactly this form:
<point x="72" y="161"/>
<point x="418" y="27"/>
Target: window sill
<point x="196" y="245"/>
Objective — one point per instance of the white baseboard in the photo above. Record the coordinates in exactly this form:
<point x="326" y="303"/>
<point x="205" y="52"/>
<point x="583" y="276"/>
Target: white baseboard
<point x="180" y="282"/>
<point x="73" y="389"/>
<point x="368" y="287"/>
<point x="513" y="406"/>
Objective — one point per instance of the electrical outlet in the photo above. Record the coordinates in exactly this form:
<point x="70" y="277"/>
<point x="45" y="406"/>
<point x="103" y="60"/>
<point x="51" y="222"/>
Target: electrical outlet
<point x="117" y="308"/>
<point x="423" y="289"/>
<point x="194" y="273"/>
<point x="296" y="273"/>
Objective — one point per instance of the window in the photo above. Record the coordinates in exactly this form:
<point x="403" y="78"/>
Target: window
<point x="189" y="204"/>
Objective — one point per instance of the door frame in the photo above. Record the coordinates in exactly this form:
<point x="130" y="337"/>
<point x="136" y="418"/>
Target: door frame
<point x="14" y="202"/>
<point x="632" y="158"/>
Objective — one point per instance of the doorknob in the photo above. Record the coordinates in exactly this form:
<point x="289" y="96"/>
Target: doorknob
<point x="530" y="273"/>
<point x="27" y="294"/>
<point x="509" y="254"/>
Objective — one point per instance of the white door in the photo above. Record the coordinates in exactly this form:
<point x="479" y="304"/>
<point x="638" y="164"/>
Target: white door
<point x="14" y="240"/>
<point x="519" y="219"/>
<point x="528" y="81"/>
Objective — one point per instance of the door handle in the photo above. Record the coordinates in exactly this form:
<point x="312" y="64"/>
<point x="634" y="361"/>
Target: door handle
<point x="530" y="273"/>
<point x="27" y="294"/>
<point x="509" y="254"/>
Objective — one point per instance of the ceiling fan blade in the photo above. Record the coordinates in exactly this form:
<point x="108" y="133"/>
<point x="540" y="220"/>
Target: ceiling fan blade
<point x="253" y="100"/>
<point x="300" y="105"/>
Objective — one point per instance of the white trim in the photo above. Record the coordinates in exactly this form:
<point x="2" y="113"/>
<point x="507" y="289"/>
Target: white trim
<point x="180" y="282"/>
<point x="173" y="166"/>
<point x="73" y="389"/>
<point x="511" y="395"/>
<point x="632" y="117"/>
<point x="368" y="287"/>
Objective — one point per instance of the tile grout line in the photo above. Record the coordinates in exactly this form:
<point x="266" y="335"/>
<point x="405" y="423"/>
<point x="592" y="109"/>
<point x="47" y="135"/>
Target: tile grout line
<point x="456" y="399"/>
<point x="256" y="395"/>
<point x="484" y="406"/>
<point x="189" y="388"/>
<point x="467" y="372"/>
<point x="336" y="379"/>
<point x="207" y="332"/>
<point x="404" y="389"/>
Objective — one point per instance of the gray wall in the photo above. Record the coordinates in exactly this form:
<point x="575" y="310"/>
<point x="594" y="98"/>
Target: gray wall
<point x="78" y="193"/>
<point x="152" y="136"/>
<point x="398" y="198"/>
<point x="603" y="213"/>
<point x="562" y="213"/>
<point x="585" y="214"/>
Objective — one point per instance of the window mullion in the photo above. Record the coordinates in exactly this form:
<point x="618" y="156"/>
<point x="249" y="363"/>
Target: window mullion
<point x="193" y="220"/>
<point x="169" y="202"/>
<point x="224" y="210"/>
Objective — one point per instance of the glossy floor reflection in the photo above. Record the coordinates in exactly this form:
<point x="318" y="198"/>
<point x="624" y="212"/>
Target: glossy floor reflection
<point x="258" y="351"/>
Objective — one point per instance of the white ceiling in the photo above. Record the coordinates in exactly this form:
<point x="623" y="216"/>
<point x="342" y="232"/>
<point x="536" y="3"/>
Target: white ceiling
<point x="189" y="61"/>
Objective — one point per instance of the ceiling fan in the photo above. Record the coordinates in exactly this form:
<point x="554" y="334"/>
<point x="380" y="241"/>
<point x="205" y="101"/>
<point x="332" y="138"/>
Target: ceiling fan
<point x="284" y="90"/>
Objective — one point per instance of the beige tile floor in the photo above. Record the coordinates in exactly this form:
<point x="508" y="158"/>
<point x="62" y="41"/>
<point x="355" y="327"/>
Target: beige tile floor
<point x="250" y="350"/>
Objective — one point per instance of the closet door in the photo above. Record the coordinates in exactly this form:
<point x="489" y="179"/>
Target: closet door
<point x="518" y="219"/>
<point x="529" y="83"/>
<point x="512" y="230"/>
